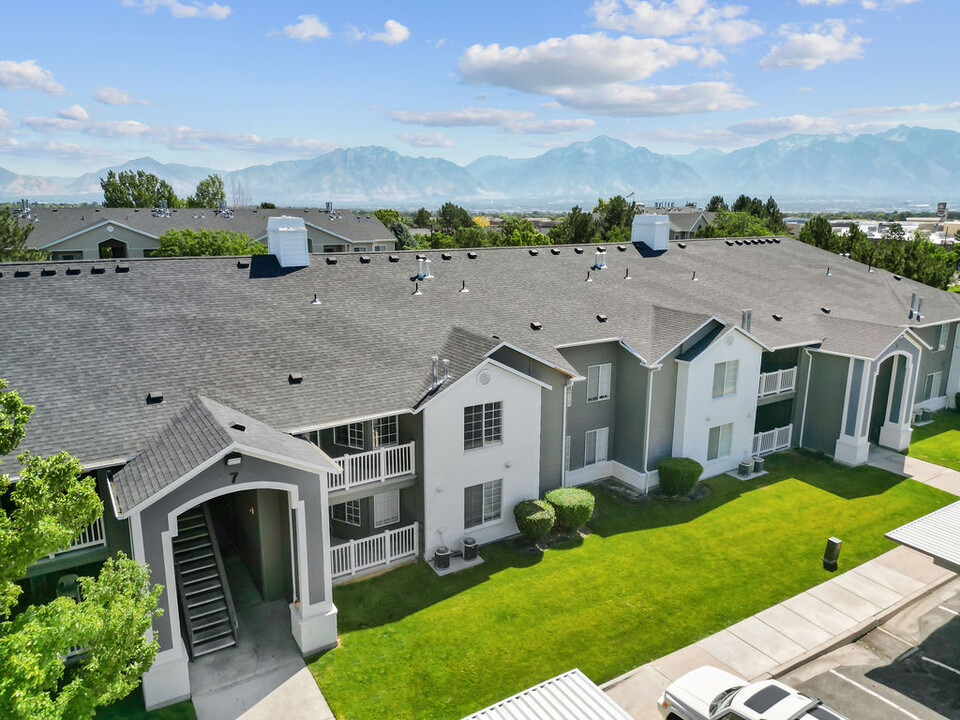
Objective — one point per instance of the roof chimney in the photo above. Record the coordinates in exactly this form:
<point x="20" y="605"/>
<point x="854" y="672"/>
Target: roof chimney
<point x="746" y="319"/>
<point x="287" y="241"/>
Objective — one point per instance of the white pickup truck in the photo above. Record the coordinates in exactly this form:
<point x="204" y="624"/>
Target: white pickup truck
<point x="709" y="693"/>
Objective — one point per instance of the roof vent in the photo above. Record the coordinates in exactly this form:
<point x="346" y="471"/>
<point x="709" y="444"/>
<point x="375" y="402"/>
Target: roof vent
<point x="622" y="248"/>
<point x="331" y="261"/>
<point x="828" y="271"/>
<point x="695" y="278"/>
<point x="533" y="252"/>
<point x="554" y="251"/>
<point x="682" y="246"/>
<point x="777" y="240"/>
<point x="97" y="270"/>
<point x="739" y="242"/>
<point x="243" y="264"/>
<point x="21" y="273"/>
<point x="394" y="258"/>
<point x="589" y="279"/>
<point x="426" y="269"/>
<point x="913" y="304"/>
<point x="47" y="272"/>
<point x="600" y="262"/>
<point x="421" y="257"/>
<point x="626" y="275"/>
<point x="578" y="251"/>
<point x="463" y="287"/>
<point x="316" y="300"/>
<point x="535" y="325"/>
<point x="364" y="259"/>
<point x="472" y="255"/>
<point x="154" y="398"/>
<point x="825" y="310"/>
<point x="295" y="378"/>
<point x="897" y="277"/>
<point x="238" y="426"/>
<point x="778" y="318"/>
<point x="416" y="290"/>
<point x="601" y="318"/>
<point x="730" y="243"/>
<point x="746" y="319"/>
<point x="446" y="256"/>
<point x="73" y="271"/>
<point x="122" y="268"/>
<point x="919" y="307"/>
<point x="870" y="267"/>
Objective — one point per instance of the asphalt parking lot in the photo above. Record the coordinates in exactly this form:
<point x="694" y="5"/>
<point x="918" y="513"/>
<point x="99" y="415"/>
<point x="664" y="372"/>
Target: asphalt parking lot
<point x="906" y="669"/>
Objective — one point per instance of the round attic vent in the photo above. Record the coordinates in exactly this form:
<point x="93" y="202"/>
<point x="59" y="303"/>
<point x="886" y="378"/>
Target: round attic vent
<point x="109" y="228"/>
<point x="484" y="377"/>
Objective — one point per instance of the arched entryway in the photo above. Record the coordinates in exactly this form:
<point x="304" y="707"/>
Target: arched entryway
<point x="890" y="412"/>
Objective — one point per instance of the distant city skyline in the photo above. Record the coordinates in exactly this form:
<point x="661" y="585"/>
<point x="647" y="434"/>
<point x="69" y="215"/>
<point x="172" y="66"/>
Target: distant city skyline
<point x="233" y="84"/>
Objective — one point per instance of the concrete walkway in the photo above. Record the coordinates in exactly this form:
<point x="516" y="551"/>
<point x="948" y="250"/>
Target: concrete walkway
<point x="792" y="633"/>
<point x="926" y="472"/>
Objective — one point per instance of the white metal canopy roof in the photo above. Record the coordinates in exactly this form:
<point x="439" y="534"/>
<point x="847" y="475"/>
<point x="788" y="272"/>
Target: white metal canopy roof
<point x="570" y="696"/>
<point x="936" y="534"/>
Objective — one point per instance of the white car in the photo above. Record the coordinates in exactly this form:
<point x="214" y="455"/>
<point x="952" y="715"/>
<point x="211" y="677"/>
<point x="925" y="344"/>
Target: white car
<point x="709" y="693"/>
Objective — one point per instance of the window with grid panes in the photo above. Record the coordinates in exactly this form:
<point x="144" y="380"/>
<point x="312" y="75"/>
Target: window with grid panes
<point x="482" y="425"/>
<point x="482" y="503"/>
<point x="385" y="431"/>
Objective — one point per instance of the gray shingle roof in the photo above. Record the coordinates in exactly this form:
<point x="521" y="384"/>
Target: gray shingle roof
<point x="56" y="224"/>
<point x="199" y="432"/>
<point x="87" y="348"/>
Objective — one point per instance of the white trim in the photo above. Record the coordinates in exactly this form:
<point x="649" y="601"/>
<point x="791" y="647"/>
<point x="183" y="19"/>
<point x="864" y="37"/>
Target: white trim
<point x="584" y="343"/>
<point x="846" y="397"/>
<point x="328" y="426"/>
<point x="94" y="227"/>
<point x="163" y="492"/>
<point x="931" y="324"/>
<point x="626" y="346"/>
<point x="430" y="395"/>
<point x="806" y="394"/>
<point x="646" y="425"/>
<point x="567" y="391"/>
<point x="726" y="327"/>
<point x="520" y="350"/>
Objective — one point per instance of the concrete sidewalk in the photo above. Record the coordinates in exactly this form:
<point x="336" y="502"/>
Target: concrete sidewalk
<point x="792" y="633"/>
<point x="920" y="470"/>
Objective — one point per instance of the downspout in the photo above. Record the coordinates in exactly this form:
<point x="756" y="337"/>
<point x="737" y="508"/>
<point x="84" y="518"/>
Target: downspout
<point x="806" y="394"/>
<point x="567" y="388"/>
<point x="646" y="428"/>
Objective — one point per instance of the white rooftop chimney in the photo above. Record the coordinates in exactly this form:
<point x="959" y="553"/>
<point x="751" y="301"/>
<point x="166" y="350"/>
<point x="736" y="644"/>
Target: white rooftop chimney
<point x="651" y="230"/>
<point x="287" y="241"/>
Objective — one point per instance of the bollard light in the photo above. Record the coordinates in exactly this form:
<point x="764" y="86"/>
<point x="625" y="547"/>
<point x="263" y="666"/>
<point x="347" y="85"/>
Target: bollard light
<point x="832" y="553"/>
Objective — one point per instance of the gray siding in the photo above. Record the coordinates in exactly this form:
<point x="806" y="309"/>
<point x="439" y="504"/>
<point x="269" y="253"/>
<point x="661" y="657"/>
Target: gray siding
<point x="824" y="415"/>
<point x="583" y="416"/>
<point x="662" y="411"/>
<point x="631" y="411"/>
<point x="932" y="361"/>
<point x="803" y="365"/>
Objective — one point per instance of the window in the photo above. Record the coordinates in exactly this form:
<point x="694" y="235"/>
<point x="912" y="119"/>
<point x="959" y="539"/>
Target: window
<point x="720" y="441"/>
<point x="385" y="431"/>
<point x="386" y="508"/>
<point x="481" y="425"/>
<point x="348" y="512"/>
<point x="598" y="382"/>
<point x="359" y="248"/>
<point x="725" y="378"/>
<point x="944" y="337"/>
<point x="931" y="386"/>
<point x="380" y="248"/>
<point x="68" y="255"/>
<point x="595" y="446"/>
<point x="349" y="435"/>
<point x="481" y="503"/>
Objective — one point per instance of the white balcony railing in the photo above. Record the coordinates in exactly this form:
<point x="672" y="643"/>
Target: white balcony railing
<point x="773" y="441"/>
<point x="777" y="382"/>
<point x="91" y="536"/>
<point x="388" y="547"/>
<point x="373" y="466"/>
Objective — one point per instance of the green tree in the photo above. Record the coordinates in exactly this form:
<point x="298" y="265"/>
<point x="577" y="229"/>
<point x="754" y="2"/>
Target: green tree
<point x="193" y="243"/>
<point x="402" y="233"/>
<point x="442" y="241"/>
<point x="615" y="212"/>
<point x="136" y="189"/>
<point x="43" y="512"/>
<point x="716" y="204"/>
<point x="472" y="237"/>
<point x="517" y="230"/>
<point x="817" y="231"/>
<point x="451" y="216"/>
<point x="577" y="227"/>
<point x="388" y="217"/>
<point x="13" y="240"/>
<point x="422" y="218"/>
<point x="268" y="206"/>
<point x="734" y="224"/>
<point x="861" y="248"/>
<point x="209" y="193"/>
<point x="773" y="217"/>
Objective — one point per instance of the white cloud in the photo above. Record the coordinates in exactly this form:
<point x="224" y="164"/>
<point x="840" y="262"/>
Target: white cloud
<point x="549" y="127"/>
<point x="821" y="2"/>
<point x="308" y="27"/>
<point x="393" y="33"/>
<point x="654" y="100"/>
<point x="827" y="42"/>
<point x="786" y="125"/>
<point x="575" y="61"/>
<point x="700" y="20"/>
<point x="885" y="4"/>
<point x="5" y="122"/>
<point x="428" y="139"/>
<point x="908" y="109"/>
<point x="467" y="117"/>
<point x="189" y="9"/>
<point x="74" y="112"/>
<point x="28" y="75"/>
<point x="58" y="150"/>
<point x="115" y="96"/>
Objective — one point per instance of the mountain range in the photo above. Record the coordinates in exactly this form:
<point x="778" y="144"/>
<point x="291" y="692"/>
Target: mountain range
<point x="900" y="167"/>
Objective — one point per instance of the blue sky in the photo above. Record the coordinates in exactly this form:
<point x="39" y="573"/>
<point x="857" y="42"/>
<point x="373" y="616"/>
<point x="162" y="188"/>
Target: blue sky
<point x="234" y="83"/>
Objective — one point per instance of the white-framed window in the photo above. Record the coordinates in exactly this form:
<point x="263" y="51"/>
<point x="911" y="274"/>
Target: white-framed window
<point x="598" y="382"/>
<point x="931" y="386"/>
<point x="725" y="378"/>
<point x="359" y="248"/>
<point x="385" y="431"/>
<point x="481" y="503"/>
<point x="720" y="441"/>
<point x="482" y="425"/>
<point x="595" y="446"/>
<point x="943" y="338"/>
<point x="380" y="248"/>
<point x="566" y="452"/>
<point x="347" y="512"/>
<point x="386" y="508"/>
<point x="350" y="436"/>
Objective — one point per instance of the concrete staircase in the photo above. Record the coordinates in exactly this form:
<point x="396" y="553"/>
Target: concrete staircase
<point x="205" y="599"/>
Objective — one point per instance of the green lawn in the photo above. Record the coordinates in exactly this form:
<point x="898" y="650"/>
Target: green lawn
<point x="131" y="708"/>
<point x="650" y="579"/>
<point x="938" y="442"/>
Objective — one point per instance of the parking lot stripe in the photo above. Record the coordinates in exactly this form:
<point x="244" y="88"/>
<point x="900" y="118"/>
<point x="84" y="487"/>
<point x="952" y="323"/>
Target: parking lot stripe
<point x="878" y="696"/>
<point x="952" y="612"/>
<point x="939" y="664"/>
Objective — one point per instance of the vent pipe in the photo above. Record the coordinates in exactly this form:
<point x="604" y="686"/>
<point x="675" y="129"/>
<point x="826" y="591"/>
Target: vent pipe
<point x="446" y="370"/>
<point x="435" y="364"/>
<point x="463" y="287"/>
<point x="419" y="268"/>
<point x="913" y="303"/>
<point x="426" y="268"/>
<point x="626" y="275"/>
<point x="746" y="319"/>
<point x="919" y="308"/>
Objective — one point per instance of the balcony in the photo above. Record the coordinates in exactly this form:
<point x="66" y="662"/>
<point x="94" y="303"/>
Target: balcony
<point x="773" y="441"/>
<point x="777" y="382"/>
<point x="356" y="556"/>
<point x="374" y="466"/>
<point x="91" y="536"/>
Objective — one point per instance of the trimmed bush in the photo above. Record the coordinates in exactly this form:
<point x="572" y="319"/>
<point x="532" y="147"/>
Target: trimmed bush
<point x="574" y="506"/>
<point x="678" y="475"/>
<point x="535" y="518"/>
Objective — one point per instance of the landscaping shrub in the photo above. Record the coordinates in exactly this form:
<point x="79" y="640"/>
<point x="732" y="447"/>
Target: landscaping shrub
<point x="535" y="518"/>
<point x="574" y="506"/>
<point x="679" y="475"/>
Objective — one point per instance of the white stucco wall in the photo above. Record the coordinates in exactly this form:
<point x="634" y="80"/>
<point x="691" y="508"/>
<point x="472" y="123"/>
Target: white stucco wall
<point x="698" y="411"/>
<point x="448" y="468"/>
